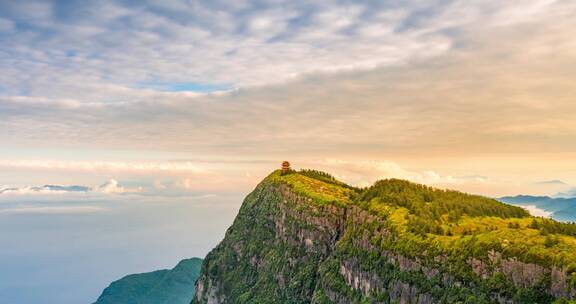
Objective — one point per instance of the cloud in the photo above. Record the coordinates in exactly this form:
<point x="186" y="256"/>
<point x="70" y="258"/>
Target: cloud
<point x="186" y="184"/>
<point x="366" y="172"/>
<point x="535" y="211"/>
<point x="551" y="182"/>
<point x="474" y="82"/>
<point x="46" y="189"/>
<point x="468" y="99"/>
<point x="110" y="187"/>
<point x="54" y="210"/>
<point x="570" y="193"/>
<point x="552" y="187"/>
<point x="197" y="43"/>
<point x="72" y="51"/>
<point x="135" y="166"/>
<point x="6" y="25"/>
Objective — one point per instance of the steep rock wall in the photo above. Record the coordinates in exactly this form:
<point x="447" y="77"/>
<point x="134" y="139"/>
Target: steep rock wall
<point x="286" y="248"/>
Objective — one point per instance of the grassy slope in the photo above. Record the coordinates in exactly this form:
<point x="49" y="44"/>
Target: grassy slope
<point x="316" y="186"/>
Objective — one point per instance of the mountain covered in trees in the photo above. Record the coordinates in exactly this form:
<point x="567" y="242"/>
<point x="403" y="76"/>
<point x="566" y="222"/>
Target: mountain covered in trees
<point x="304" y="237"/>
<point x="168" y="286"/>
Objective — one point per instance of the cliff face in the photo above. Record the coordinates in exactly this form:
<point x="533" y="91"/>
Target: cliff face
<point x="306" y="238"/>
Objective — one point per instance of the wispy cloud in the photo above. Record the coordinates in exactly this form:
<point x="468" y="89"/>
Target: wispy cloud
<point x="54" y="210"/>
<point x="551" y="182"/>
<point x="136" y="166"/>
<point x="113" y="186"/>
<point x="467" y="100"/>
<point x="83" y="49"/>
<point x="200" y="42"/>
<point x="366" y="172"/>
<point x="535" y="211"/>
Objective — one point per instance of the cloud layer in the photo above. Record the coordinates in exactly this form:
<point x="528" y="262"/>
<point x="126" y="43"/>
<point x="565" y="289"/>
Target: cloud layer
<point x="113" y="49"/>
<point x="110" y="187"/>
<point x="535" y="211"/>
<point x="468" y="96"/>
<point x="53" y="210"/>
<point x="475" y="82"/>
<point x="134" y="166"/>
<point x="118" y="51"/>
<point x="365" y="173"/>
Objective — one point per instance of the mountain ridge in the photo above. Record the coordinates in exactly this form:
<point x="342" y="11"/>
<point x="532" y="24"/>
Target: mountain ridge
<point x="304" y="237"/>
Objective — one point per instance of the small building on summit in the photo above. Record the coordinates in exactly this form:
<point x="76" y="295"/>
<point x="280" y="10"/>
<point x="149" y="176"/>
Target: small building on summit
<point x="285" y="167"/>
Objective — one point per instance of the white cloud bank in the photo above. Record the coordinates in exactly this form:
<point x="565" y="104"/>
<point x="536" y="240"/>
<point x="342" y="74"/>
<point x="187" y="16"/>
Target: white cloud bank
<point x="535" y="211"/>
<point x="113" y="186"/>
<point x="110" y="187"/>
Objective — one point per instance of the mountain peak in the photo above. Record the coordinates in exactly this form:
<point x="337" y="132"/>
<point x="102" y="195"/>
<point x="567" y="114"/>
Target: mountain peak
<point x="305" y="237"/>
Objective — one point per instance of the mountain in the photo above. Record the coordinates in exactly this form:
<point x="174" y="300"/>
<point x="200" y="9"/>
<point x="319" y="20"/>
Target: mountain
<point x="174" y="286"/>
<point x="571" y="193"/>
<point x="46" y="188"/>
<point x="66" y="188"/>
<point x="304" y="237"/>
<point x="111" y="186"/>
<point x="561" y="209"/>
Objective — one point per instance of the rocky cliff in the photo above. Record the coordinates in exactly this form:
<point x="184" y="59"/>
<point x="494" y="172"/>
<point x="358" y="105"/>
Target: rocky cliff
<point x="304" y="237"/>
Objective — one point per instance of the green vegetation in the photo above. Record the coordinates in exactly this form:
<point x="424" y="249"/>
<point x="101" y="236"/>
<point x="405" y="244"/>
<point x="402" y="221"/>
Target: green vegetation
<point x="174" y="286"/>
<point x="547" y="226"/>
<point x="325" y="177"/>
<point x="432" y="204"/>
<point x="290" y="246"/>
<point x="451" y="222"/>
<point x="321" y="187"/>
<point x="250" y="261"/>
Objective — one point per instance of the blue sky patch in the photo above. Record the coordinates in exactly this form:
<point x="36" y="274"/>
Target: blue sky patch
<point x="187" y="87"/>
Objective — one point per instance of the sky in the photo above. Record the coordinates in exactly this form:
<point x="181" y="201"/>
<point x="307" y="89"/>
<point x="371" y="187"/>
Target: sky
<point x="219" y="92"/>
<point x="163" y="107"/>
<point x="65" y="249"/>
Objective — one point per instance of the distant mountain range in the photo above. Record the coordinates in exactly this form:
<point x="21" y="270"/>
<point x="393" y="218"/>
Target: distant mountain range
<point x="168" y="286"/>
<point x="568" y="194"/>
<point x="46" y="188"/>
<point x="111" y="186"/>
<point x="562" y="208"/>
